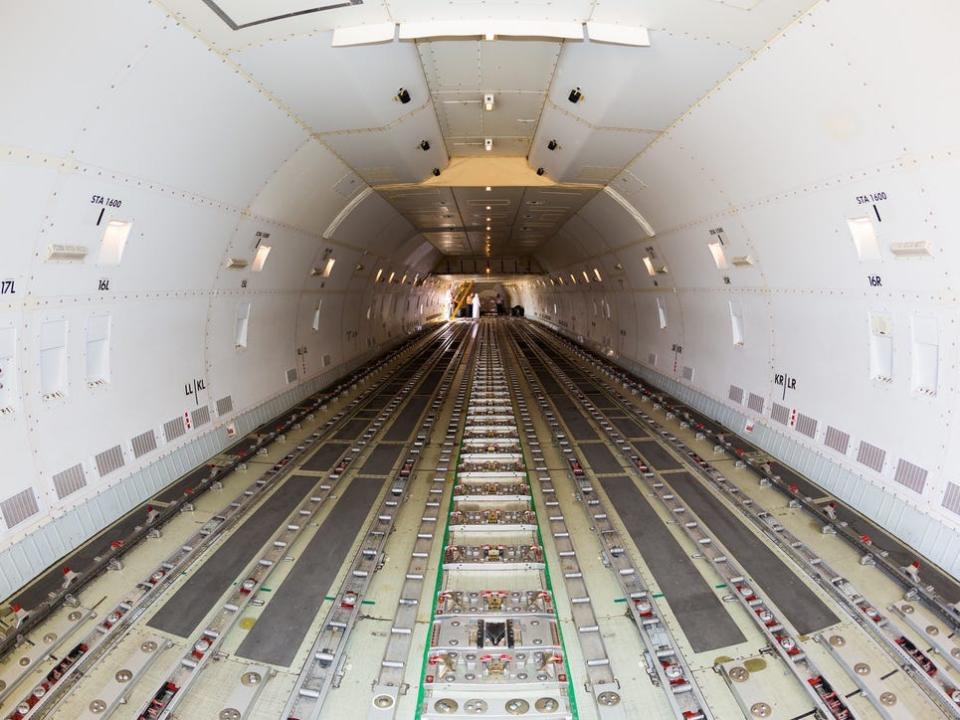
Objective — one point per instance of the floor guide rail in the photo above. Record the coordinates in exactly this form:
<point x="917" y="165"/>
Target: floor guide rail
<point x="931" y="585"/>
<point x="769" y="619"/>
<point x="61" y="584"/>
<point x="326" y="656"/>
<point x="495" y="647"/>
<point x="933" y="677"/>
<point x="115" y="623"/>
<point x="205" y="644"/>
<point x="666" y="664"/>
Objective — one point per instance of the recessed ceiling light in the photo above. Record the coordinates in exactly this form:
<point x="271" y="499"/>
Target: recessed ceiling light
<point x="488" y="188"/>
<point x="488" y="207"/>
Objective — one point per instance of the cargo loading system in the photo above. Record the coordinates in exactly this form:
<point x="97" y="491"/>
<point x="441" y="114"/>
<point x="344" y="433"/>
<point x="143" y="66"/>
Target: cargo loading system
<point x="489" y="521"/>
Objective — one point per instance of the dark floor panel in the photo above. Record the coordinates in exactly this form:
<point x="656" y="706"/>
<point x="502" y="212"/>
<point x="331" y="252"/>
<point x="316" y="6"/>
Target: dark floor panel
<point x="430" y="383"/>
<point x="407" y="419"/>
<point x="805" y="611"/>
<point x="379" y="401"/>
<point x="278" y="633"/>
<point x="700" y="612"/>
<point x="381" y="460"/>
<point x="179" y="488"/>
<point x="81" y="560"/>
<point x="574" y="419"/>
<point x="600" y="458"/>
<point x="187" y="608"/>
<point x="656" y="455"/>
<point x="602" y="401"/>
<point x="898" y="552"/>
<point x="629" y="428"/>
<point x="351" y="430"/>
<point x="324" y="458"/>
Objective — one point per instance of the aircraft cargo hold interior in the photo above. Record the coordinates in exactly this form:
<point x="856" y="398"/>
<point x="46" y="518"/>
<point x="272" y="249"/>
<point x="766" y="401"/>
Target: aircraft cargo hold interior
<point x="421" y="359"/>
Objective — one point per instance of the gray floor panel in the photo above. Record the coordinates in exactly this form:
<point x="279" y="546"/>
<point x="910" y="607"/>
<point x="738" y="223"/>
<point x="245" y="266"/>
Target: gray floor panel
<point x="575" y="421"/>
<point x="407" y="419"/>
<point x="324" y="458"/>
<point x="656" y="455"/>
<point x="278" y="633"/>
<point x="629" y="428"/>
<point x="600" y="458"/>
<point x="381" y="460"/>
<point x="700" y="612"/>
<point x="805" y="611"/>
<point x="352" y="429"/>
<point x="188" y="606"/>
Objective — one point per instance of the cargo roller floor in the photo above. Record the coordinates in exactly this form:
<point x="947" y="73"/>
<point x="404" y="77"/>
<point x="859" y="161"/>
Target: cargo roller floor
<point x="801" y="606"/>
<point x="705" y="622"/>
<point x="284" y="623"/>
<point x="193" y="600"/>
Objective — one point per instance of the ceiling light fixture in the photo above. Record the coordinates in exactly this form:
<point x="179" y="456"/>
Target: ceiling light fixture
<point x="488" y="144"/>
<point x="488" y="102"/>
<point x="403" y="95"/>
<point x="488" y="207"/>
<point x="436" y="172"/>
<point x="490" y="36"/>
<point x="575" y="95"/>
<point x="425" y="145"/>
<point x="488" y="189"/>
<point x="552" y="145"/>
<point x="540" y="171"/>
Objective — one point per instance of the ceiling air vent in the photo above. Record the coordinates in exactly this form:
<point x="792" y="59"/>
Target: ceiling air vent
<point x="755" y="403"/>
<point x="837" y="439"/>
<point x="67" y="253"/>
<point x="291" y="375"/>
<point x="911" y="476"/>
<point x="19" y="507"/>
<point x="144" y="443"/>
<point x="780" y="413"/>
<point x="871" y="456"/>
<point x="109" y="460"/>
<point x="736" y="394"/>
<point x="225" y="405"/>
<point x="200" y="416"/>
<point x="951" y="498"/>
<point x="69" y="481"/>
<point x="172" y="429"/>
<point x="237" y="263"/>
<point x="806" y="425"/>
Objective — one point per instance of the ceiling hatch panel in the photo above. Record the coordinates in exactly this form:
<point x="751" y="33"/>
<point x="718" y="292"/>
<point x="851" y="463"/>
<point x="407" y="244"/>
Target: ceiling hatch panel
<point x="513" y="65"/>
<point x="372" y="225"/>
<point x="338" y="88"/>
<point x="641" y="87"/>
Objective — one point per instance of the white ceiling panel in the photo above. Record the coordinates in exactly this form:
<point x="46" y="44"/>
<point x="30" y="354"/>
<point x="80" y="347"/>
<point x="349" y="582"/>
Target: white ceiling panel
<point x="300" y="193"/>
<point x="333" y="89"/>
<point x="393" y="155"/>
<point x="584" y="155"/>
<point x="729" y="22"/>
<point x="374" y="225"/>
<point x="551" y="10"/>
<point x="641" y="87"/>
<point x="604" y="214"/>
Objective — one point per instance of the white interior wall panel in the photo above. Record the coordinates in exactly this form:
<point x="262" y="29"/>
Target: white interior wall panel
<point x="641" y="88"/>
<point x="138" y="126"/>
<point x="308" y="189"/>
<point x="333" y="89"/>
<point x="75" y="48"/>
<point x="781" y="160"/>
